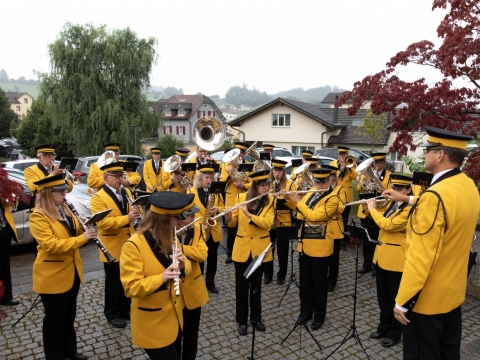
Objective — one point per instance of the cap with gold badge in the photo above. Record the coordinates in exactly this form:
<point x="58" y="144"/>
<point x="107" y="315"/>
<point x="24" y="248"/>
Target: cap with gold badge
<point x="442" y="137"/>
<point x="156" y="150"/>
<point x="46" y="149"/>
<point x="261" y="176"/>
<point x="379" y="156"/>
<point x="320" y="175"/>
<point x="55" y="182"/>
<point x="279" y="164"/>
<point x="307" y="153"/>
<point x="170" y="203"/>
<point x="115" y="167"/>
<point x="182" y="152"/>
<point x="112" y="147"/>
<point x="343" y="149"/>
<point x="241" y="146"/>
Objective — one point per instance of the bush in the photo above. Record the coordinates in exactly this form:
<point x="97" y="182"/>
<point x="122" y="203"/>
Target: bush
<point x="168" y="143"/>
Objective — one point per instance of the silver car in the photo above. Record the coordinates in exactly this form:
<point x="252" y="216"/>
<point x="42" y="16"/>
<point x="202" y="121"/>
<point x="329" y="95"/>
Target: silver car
<point x="79" y="197"/>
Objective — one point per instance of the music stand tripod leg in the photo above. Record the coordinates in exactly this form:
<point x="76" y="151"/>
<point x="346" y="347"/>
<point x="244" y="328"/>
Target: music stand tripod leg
<point x="292" y="277"/>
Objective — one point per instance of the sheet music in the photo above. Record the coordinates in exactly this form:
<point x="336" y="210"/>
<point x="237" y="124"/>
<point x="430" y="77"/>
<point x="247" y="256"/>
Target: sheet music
<point x="257" y="261"/>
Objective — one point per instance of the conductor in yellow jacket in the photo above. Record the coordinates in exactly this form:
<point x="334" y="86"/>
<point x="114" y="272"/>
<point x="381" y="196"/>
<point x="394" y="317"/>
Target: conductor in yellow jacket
<point x="194" y="291"/>
<point x="254" y="221"/>
<point x="389" y="257"/>
<point x="57" y="271"/>
<point x="45" y="167"/>
<point x="113" y="231"/>
<point x="151" y="278"/>
<point x="317" y="211"/>
<point x="439" y="236"/>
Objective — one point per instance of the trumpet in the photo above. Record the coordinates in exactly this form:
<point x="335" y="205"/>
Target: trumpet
<point x="74" y="179"/>
<point x="364" y="201"/>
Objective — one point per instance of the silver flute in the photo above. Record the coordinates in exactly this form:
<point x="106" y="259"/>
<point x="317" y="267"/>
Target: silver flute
<point x="176" y="281"/>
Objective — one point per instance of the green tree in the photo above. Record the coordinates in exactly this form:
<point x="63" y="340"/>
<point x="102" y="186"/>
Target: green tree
<point x="7" y="115"/>
<point x="168" y="143"/>
<point x="373" y="127"/>
<point x="3" y="76"/>
<point x="96" y="87"/>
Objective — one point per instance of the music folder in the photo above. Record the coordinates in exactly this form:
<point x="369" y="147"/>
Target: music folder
<point x="246" y="167"/>
<point x="265" y="156"/>
<point x="218" y="187"/>
<point x="287" y="231"/>
<point x="256" y="262"/>
<point x="423" y="179"/>
<point x="216" y="167"/>
<point x="141" y="200"/>
<point x="359" y="232"/>
<point x="129" y="166"/>
<point x="68" y="164"/>
<point x="189" y="167"/>
<point x="98" y="217"/>
<point x="297" y="162"/>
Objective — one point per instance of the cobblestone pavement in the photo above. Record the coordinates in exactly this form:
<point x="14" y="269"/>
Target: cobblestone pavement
<point x="218" y="337"/>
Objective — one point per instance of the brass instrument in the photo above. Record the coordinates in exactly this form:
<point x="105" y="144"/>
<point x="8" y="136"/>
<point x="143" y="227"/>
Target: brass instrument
<point x="370" y="182"/>
<point x="350" y="161"/>
<point x="233" y="158"/>
<point x="208" y="221"/>
<point x="75" y="179"/>
<point x="106" y="158"/>
<point x="259" y="163"/>
<point x="304" y="179"/>
<point x="237" y="206"/>
<point x="176" y="281"/>
<point x="173" y="165"/>
<point x="209" y="133"/>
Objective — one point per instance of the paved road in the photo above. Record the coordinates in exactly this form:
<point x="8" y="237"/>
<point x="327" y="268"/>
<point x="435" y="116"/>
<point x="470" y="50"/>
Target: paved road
<point x="218" y="331"/>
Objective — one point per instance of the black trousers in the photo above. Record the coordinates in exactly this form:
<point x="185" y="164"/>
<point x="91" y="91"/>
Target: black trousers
<point x="345" y="214"/>
<point x="212" y="256"/>
<point x="245" y="287"/>
<point x="313" y="287"/>
<point x="59" y="337"/>
<point x="169" y="352"/>
<point x="368" y="246"/>
<point x="282" y="247"/>
<point x="6" y="236"/>
<point x="433" y="336"/>
<point x="231" y="235"/>
<point x="334" y="264"/>
<point x="191" y="325"/>
<point x="388" y="283"/>
<point x="117" y="305"/>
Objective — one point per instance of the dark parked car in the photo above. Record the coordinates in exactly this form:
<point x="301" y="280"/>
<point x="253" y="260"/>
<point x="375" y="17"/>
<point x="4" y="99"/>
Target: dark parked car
<point x="359" y="156"/>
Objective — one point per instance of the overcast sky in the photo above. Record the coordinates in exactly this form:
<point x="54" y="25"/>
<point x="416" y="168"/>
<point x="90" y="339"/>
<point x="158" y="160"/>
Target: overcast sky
<point x="208" y="46"/>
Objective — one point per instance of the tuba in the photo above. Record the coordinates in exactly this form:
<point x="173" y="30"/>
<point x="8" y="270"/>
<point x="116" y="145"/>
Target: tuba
<point x="259" y="164"/>
<point x="106" y="158"/>
<point x="173" y="165"/>
<point x="209" y="133"/>
<point x="304" y="180"/>
<point x="232" y="158"/>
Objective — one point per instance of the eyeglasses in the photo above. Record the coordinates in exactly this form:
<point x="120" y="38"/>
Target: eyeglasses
<point x="116" y="176"/>
<point x="397" y="187"/>
<point x="426" y="150"/>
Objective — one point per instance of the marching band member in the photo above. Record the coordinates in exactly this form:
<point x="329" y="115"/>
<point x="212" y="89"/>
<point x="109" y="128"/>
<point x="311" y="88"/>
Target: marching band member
<point x="169" y="183"/>
<point x="194" y="291"/>
<point x="345" y="177"/>
<point x="338" y="227"/>
<point x="95" y="176"/>
<point x="269" y="149"/>
<point x="317" y="211"/>
<point x="379" y="162"/>
<point x="390" y="258"/>
<point x="57" y="271"/>
<point x="439" y="236"/>
<point x="305" y="154"/>
<point x="114" y="230"/>
<point x="148" y="274"/>
<point x="153" y="173"/>
<point x="45" y="167"/>
<point x="279" y="182"/>
<point x="209" y="205"/>
<point x="233" y="188"/>
<point x="254" y="221"/>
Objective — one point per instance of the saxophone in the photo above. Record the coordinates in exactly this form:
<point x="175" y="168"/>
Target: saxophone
<point x="208" y="221"/>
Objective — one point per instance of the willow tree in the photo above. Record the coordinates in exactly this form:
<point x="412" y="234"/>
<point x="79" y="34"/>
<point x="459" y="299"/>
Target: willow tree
<point x="96" y="87"/>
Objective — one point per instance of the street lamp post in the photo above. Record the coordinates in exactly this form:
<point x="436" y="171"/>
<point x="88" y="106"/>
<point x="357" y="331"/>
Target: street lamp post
<point x="135" y="129"/>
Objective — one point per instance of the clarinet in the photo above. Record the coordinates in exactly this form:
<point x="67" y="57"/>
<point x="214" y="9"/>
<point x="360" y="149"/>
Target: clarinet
<point x="109" y="257"/>
<point x="136" y="222"/>
<point x="176" y="281"/>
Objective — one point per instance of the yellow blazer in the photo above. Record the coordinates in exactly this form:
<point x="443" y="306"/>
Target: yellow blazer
<point x="115" y="228"/>
<point x="156" y="311"/>
<point x="58" y="254"/>
<point x="253" y="236"/>
<point x="436" y="255"/>
<point x="282" y="214"/>
<point x="322" y="214"/>
<point x="337" y="223"/>
<point x="152" y="179"/>
<point x="216" y="230"/>
<point x="391" y="254"/>
<point x="231" y="192"/>
<point x="95" y="177"/>
<point x="9" y="218"/>
<point x="37" y="172"/>
<point x="346" y="181"/>
<point x="194" y="290"/>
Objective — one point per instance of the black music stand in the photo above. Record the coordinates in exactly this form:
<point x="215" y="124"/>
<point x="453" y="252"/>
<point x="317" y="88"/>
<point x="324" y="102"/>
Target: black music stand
<point x="68" y="164"/>
<point x="254" y="266"/>
<point x="289" y="233"/>
<point x="245" y="167"/>
<point x="361" y="234"/>
<point x="187" y="166"/>
<point x="265" y="156"/>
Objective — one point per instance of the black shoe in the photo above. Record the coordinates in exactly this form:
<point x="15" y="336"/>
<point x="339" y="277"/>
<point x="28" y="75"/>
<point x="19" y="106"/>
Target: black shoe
<point x="125" y="317"/>
<point x="213" y="290"/>
<point x="364" y="270"/>
<point x="78" y="357"/>
<point x="388" y="342"/>
<point x="228" y="260"/>
<point x="10" y="302"/>
<point x="302" y="320"/>
<point x="331" y="288"/>
<point x="118" y="323"/>
<point x="242" y="329"/>
<point x="259" y="326"/>
<point x="267" y="281"/>
<point x="316" y="325"/>
<point x="280" y="281"/>
<point x="376" y="335"/>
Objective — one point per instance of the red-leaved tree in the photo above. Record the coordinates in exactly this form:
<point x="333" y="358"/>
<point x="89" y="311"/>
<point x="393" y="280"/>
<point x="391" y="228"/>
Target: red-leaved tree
<point x="442" y="104"/>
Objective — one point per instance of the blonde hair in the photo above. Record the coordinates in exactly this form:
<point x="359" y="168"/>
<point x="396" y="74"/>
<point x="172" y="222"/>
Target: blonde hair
<point x="45" y="205"/>
<point x="159" y="227"/>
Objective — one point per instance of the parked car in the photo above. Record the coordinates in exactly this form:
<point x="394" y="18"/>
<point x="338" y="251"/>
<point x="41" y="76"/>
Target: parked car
<point x="278" y="152"/>
<point x="359" y="156"/>
<point x="323" y="160"/>
<point x="79" y="197"/>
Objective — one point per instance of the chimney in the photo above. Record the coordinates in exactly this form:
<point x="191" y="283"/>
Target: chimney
<point x="335" y="112"/>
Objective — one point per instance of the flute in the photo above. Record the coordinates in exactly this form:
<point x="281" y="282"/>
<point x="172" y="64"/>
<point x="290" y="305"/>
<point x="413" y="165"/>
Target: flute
<point x="74" y="211"/>
<point x="297" y="192"/>
<point x="176" y="281"/>
<point x="237" y="206"/>
<point x="363" y="201"/>
<point x="186" y="226"/>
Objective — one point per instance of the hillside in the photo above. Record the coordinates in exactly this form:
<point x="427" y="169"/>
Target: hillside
<point x="31" y="89"/>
